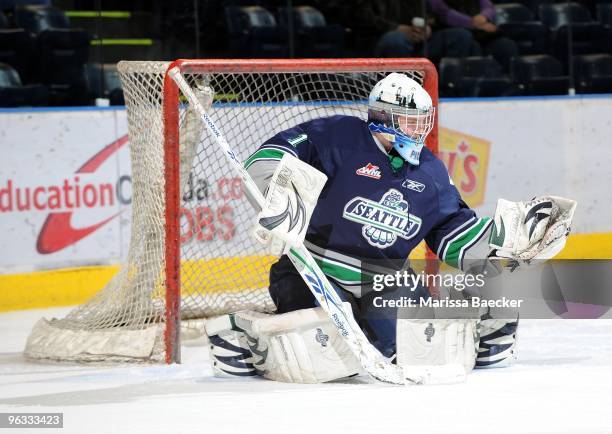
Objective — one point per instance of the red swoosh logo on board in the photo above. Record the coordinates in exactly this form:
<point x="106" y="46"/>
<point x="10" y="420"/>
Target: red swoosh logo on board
<point x="57" y="232"/>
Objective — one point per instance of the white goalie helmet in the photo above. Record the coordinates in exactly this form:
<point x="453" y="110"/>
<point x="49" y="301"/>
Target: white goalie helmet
<point x="403" y="111"/>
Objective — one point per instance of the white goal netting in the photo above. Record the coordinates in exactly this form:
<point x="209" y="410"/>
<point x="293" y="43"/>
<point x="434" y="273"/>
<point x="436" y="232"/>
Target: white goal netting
<point x="221" y="268"/>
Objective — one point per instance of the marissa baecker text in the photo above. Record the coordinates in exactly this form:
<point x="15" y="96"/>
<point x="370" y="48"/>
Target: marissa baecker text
<point x="472" y="302"/>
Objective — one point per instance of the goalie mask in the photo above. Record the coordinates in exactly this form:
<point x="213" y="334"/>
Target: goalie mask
<point x="402" y="110"/>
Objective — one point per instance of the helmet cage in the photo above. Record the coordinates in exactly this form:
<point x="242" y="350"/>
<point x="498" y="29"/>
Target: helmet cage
<point x="412" y="123"/>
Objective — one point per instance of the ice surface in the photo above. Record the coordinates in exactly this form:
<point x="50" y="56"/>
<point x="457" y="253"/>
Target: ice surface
<point x="561" y="382"/>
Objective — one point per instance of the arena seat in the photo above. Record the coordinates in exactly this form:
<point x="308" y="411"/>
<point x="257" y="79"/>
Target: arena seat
<point x="36" y="19"/>
<point x="103" y="82"/>
<point x="604" y="16"/>
<point x="4" y="22"/>
<point x="560" y="14"/>
<point x="474" y="77"/>
<point x="253" y="32"/>
<point x="314" y="37"/>
<point x="16" y="49"/>
<point x="588" y="36"/>
<point x="14" y="94"/>
<point x="604" y="13"/>
<point x="518" y="23"/>
<point x="593" y="73"/>
<point x="62" y="55"/>
<point x="539" y="74"/>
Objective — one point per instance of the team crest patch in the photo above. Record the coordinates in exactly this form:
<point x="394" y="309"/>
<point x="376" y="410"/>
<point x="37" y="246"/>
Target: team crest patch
<point x="385" y="220"/>
<point x="369" y="170"/>
<point x="413" y="185"/>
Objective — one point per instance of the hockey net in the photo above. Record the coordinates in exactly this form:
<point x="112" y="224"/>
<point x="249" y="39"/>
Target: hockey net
<point x="191" y="255"/>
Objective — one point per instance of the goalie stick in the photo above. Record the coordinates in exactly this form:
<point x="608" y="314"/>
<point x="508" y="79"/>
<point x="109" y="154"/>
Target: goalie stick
<point x="372" y="361"/>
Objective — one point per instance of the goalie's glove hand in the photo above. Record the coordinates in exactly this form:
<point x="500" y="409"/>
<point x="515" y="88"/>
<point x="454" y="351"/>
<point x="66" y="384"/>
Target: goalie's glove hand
<point x="537" y="229"/>
<point x="291" y="198"/>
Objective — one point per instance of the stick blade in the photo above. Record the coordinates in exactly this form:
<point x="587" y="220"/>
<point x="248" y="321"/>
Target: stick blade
<point x="451" y="373"/>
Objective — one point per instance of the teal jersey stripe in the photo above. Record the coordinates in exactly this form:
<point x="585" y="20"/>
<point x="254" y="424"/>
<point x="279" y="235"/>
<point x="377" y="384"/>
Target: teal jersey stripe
<point x="264" y="154"/>
<point x="451" y="235"/>
<point x="340" y="272"/>
<point x="454" y="249"/>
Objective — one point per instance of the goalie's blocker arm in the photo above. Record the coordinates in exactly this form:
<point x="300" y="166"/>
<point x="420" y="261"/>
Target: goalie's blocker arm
<point x="291" y="197"/>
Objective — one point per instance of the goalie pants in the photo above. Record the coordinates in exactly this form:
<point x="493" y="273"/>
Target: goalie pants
<point x="290" y="293"/>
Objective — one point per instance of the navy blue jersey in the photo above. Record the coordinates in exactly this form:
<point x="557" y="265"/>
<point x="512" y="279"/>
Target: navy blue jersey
<point x="368" y="210"/>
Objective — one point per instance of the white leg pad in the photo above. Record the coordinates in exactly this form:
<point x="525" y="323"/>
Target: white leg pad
<point x="303" y="347"/>
<point x="450" y="343"/>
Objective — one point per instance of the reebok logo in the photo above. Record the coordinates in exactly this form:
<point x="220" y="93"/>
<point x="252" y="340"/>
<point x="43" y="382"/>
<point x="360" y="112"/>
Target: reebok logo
<point x="369" y="170"/>
<point x="413" y="185"/>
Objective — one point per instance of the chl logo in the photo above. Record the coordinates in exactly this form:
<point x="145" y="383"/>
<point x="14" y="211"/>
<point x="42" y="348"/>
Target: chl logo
<point x="369" y="170"/>
<point x="385" y="220"/>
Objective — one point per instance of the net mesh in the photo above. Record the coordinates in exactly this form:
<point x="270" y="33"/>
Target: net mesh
<point x="222" y="268"/>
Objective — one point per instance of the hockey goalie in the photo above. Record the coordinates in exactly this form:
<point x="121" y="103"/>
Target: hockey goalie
<point x="354" y="193"/>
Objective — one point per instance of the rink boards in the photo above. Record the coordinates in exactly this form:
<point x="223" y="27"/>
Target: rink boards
<point x="510" y="148"/>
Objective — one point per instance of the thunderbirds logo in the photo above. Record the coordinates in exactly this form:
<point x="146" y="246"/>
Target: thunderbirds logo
<point x="383" y="221"/>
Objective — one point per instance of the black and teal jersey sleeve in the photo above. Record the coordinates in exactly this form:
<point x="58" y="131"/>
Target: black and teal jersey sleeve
<point x="458" y="228"/>
<point x="297" y="141"/>
<point x="315" y="142"/>
<point x="273" y="149"/>
<point x="262" y="164"/>
<point x="294" y="141"/>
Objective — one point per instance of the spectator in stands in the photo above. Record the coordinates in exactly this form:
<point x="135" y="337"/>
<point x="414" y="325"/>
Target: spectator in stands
<point x="398" y="28"/>
<point x="477" y="16"/>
